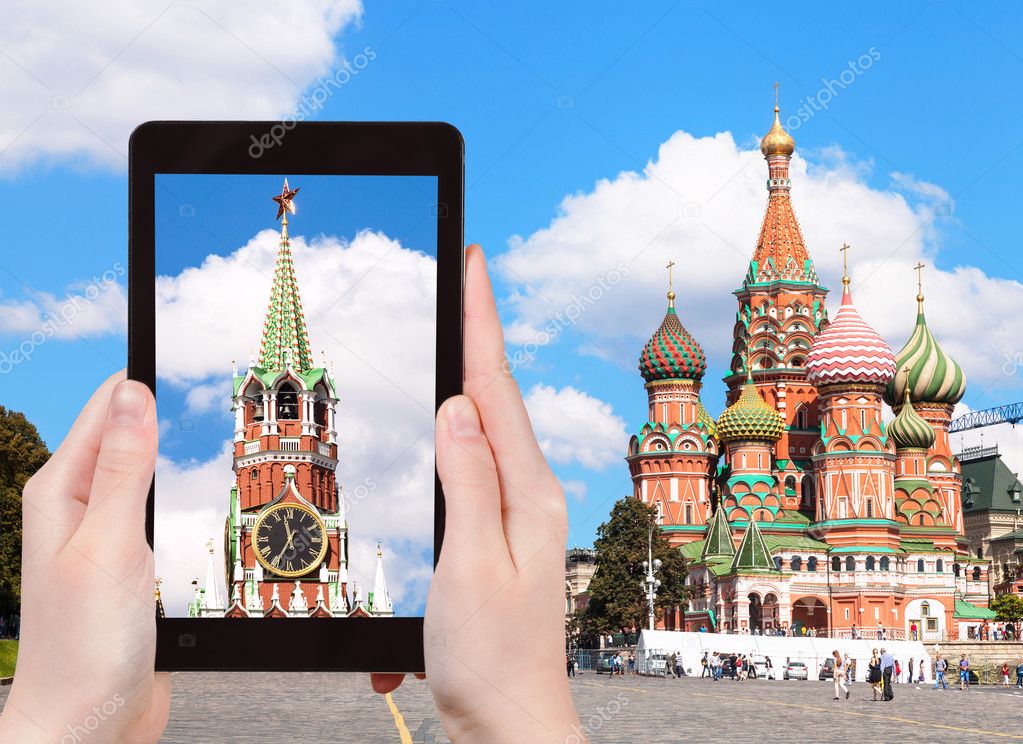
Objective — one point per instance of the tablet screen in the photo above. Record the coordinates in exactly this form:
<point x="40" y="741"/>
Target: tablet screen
<point x="295" y="356"/>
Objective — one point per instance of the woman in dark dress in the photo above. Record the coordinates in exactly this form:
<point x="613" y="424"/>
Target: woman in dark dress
<point x="874" y="673"/>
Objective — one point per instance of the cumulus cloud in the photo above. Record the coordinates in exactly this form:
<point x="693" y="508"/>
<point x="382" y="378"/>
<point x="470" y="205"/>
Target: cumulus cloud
<point x="89" y="309"/>
<point x="701" y="202"/>
<point x="573" y="427"/>
<point x="85" y="74"/>
<point x="380" y="339"/>
<point x="577" y="489"/>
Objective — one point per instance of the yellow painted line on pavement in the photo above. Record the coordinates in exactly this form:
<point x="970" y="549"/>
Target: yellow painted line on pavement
<point x="399" y="720"/>
<point x="898" y="719"/>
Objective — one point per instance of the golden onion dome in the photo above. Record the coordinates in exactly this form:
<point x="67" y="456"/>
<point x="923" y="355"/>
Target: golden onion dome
<point x="777" y="141"/>
<point x="749" y="418"/>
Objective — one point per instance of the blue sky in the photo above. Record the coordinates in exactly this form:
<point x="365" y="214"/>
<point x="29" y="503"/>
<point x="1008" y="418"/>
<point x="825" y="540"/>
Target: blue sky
<point x="553" y="98"/>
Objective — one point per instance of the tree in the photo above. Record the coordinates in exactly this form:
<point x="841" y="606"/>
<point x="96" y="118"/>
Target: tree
<point x="617" y="598"/>
<point x="1008" y="607"/>
<point x="22" y="453"/>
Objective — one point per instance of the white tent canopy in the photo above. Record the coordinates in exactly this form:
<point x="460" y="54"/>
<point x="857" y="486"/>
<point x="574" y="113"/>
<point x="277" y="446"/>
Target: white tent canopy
<point x="811" y="651"/>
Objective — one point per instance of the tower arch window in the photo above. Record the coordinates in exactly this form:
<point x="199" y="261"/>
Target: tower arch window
<point x="255" y="474"/>
<point x="870" y="508"/>
<point x="850" y="563"/>
<point x="811" y="563"/>
<point x="287" y="402"/>
<point x="777" y="563"/>
<point x="955" y="570"/>
<point x="836" y="563"/>
<point x="939" y="566"/>
<point x="976" y="573"/>
<point x="871" y="563"/>
<point x="796" y="563"/>
<point x="689" y="513"/>
<point x="919" y="565"/>
<point x="885" y="563"/>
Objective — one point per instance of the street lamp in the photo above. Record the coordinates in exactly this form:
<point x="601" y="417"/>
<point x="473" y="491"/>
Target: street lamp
<point x="649" y="582"/>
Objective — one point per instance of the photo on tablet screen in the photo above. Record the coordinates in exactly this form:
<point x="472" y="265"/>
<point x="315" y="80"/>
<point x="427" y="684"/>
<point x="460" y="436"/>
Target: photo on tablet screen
<point x="295" y="349"/>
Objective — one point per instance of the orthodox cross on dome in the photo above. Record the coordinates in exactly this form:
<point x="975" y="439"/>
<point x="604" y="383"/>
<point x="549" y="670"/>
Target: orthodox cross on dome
<point x="285" y="339"/>
<point x="919" y="283"/>
<point x="671" y="292"/>
<point x="845" y="264"/>
<point x="776" y="86"/>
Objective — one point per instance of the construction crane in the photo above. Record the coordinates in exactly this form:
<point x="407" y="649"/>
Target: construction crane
<point x="1010" y="414"/>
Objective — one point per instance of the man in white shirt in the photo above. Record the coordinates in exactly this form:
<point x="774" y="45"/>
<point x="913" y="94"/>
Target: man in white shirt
<point x="887" y="669"/>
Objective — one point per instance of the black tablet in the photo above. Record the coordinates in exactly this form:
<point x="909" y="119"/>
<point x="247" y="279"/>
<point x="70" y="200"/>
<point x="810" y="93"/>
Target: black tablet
<point x="295" y="306"/>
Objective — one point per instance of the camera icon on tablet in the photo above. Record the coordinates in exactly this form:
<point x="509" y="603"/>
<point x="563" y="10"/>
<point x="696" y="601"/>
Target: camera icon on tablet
<point x="186" y="640"/>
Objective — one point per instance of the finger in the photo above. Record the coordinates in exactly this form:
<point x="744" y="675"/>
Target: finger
<point x="528" y="486"/>
<point x="58" y="492"/>
<point x="473" y="526"/>
<point x="385" y="683"/>
<point x="124" y="465"/>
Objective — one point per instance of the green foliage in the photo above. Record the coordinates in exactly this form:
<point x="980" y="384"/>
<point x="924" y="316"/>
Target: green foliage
<point x="22" y="453"/>
<point x="1007" y="607"/>
<point x="617" y="598"/>
<point x="8" y="657"/>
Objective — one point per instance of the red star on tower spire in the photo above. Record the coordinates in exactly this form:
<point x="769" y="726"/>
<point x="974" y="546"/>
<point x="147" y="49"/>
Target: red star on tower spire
<point x="285" y="201"/>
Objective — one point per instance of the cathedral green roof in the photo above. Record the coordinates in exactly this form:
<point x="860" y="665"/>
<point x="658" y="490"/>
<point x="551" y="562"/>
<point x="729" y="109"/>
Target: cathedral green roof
<point x="966" y="611"/>
<point x="753" y="554"/>
<point x="719" y="537"/>
<point x="988" y="484"/>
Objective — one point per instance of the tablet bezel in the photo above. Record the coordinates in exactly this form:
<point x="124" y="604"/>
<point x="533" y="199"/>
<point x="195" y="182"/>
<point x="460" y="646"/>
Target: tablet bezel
<point x="295" y="149"/>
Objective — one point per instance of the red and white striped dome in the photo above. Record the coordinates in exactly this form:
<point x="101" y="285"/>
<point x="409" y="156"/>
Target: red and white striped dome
<point x="849" y="350"/>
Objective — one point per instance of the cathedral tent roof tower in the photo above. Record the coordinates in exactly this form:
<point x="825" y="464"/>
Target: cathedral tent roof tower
<point x="718" y="542"/>
<point x="753" y="553"/>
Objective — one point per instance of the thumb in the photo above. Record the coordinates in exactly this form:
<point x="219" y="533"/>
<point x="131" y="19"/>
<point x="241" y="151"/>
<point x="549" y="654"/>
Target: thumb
<point x="473" y="527"/>
<point x="124" y="465"/>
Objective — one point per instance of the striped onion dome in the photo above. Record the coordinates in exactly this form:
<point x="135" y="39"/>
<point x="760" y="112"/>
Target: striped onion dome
<point x="932" y="375"/>
<point x="908" y="430"/>
<point x="671" y="353"/>
<point x="750" y="418"/>
<point x="705" y="420"/>
<point x="849" y="350"/>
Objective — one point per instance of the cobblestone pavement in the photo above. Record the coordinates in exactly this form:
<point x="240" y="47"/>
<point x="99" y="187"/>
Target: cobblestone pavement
<point x="215" y="707"/>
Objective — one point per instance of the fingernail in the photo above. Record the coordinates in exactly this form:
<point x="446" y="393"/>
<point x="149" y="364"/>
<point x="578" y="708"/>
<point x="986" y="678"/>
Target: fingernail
<point x="464" y="420"/>
<point x="128" y="404"/>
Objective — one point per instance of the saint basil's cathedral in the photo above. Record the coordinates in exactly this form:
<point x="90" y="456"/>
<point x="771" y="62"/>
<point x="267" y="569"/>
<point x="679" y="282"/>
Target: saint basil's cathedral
<point x="800" y="507"/>
<point x="286" y="536"/>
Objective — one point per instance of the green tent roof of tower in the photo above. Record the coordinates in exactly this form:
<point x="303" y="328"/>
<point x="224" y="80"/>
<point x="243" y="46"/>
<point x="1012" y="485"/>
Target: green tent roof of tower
<point x="753" y="554"/>
<point x="719" y="537"/>
<point x="285" y="335"/>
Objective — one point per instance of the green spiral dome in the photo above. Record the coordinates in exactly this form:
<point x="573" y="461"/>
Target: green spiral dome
<point x="931" y="374"/>
<point x="908" y="430"/>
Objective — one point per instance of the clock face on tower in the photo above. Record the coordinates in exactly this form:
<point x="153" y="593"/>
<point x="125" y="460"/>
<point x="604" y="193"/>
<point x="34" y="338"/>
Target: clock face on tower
<point x="290" y="540"/>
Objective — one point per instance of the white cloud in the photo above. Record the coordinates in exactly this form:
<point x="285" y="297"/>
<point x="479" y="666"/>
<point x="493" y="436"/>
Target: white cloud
<point x="371" y="317"/>
<point x="577" y="489"/>
<point x="572" y="426"/>
<point x="85" y="74"/>
<point x="701" y="202"/>
<point x="95" y="309"/>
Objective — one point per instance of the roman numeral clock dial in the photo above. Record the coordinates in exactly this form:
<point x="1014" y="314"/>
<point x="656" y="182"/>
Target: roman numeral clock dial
<point x="289" y="540"/>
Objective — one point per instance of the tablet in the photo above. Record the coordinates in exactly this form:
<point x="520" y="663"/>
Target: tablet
<point x="295" y="306"/>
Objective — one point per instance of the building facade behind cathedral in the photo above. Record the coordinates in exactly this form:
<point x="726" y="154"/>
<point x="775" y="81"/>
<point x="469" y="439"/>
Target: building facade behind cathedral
<point x="286" y="536"/>
<point x="799" y="507"/>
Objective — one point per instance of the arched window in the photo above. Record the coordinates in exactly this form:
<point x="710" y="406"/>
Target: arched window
<point x="925" y="608"/>
<point x="811" y="563"/>
<point x="689" y="513"/>
<point x="255" y="474"/>
<point x="870" y="508"/>
<point x="919" y="565"/>
<point x="836" y="563"/>
<point x="287" y="403"/>
<point x="885" y="563"/>
<point x="850" y="563"/>
<point x="955" y="570"/>
<point x="976" y="573"/>
<point x="870" y="563"/>
<point x="796" y="563"/>
<point x="777" y="563"/>
<point x="940" y="566"/>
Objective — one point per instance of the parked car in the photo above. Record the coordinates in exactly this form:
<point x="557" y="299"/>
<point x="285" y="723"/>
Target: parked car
<point x="726" y="667"/>
<point x="827" y="669"/>
<point x="796" y="670"/>
<point x="604" y="662"/>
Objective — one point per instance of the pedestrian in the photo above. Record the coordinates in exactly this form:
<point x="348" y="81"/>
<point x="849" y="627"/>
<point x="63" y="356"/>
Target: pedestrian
<point x="940" y="667"/>
<point x="848" y="664"/>
<point x="632" y="663"/>
<point x="898" y="672"/>
<point x="732" y="658"/>
<point x="715" y="663"/>
<point x="909" y="671"/>
<point x="769" y="669"/>
<point x="887" y="668"/>
<point x="669" y="665"/>
<point x="853" y="633"/>
<point x="1019" y="674"/>
<point x="912" y="631"/>
<point x="838" y="672"/>
<point x="964" y="673"/>
<point x="921" y="677"/>
<point x="874" y="673"/>
<point x="570" y="665"/>
<point x="739" y="667"/>
<point x="705" y="663"/>
<point x="1005" y="674"/>
<point x="680" y="671"/>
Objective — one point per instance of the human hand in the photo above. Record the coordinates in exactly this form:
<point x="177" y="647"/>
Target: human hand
<point x="494" y="627"/>
<point x="88" y="631"/>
